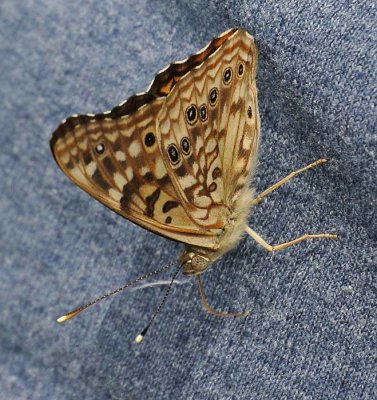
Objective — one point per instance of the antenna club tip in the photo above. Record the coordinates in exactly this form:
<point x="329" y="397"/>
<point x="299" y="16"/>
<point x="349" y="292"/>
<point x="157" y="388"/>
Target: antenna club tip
<point x="70" y="315"/>
<point x="62" y="319"/>
<point x="139" y="338"/>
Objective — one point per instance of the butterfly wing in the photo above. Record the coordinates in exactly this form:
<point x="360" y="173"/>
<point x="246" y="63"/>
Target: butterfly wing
<point x="124" y="157"/>
<point x="240" y="131"/>
<point x="117" y="161"/>
<point x="209" y="130"/>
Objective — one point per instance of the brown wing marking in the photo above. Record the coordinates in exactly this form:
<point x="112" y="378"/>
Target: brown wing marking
<point x="133" y="180"/>
<point x="198" y="177"/>
<point x="128" y="176"/>
<point x="245" y="115"/>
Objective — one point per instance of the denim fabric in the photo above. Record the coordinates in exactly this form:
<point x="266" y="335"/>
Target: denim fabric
<point x="311" y="333"/>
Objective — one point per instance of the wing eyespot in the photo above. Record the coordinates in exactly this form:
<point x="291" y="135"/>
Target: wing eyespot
<point x="149" y="139"/>
<point x="213" y="96"/>
<point x="100" y="148"/>
<point x="186" y="146"/>
<point x="203" y="112"/>
<point x="227" y="76"/>
<point x="191" y="114"/>
<point x="173" y="154"/>
<point x="249" y="112"/>
<point x="240" y="69"/>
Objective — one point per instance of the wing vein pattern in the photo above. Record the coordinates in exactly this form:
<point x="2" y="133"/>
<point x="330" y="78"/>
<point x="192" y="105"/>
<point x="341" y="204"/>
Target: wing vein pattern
<point x="175" y="159"/>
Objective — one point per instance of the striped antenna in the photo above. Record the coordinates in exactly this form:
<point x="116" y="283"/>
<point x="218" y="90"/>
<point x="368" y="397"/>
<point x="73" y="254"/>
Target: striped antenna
<point x="72" y="314"/>
<point x="139" y="338"/>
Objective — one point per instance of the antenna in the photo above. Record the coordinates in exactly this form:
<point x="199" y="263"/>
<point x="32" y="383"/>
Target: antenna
<point x="72" y="314"/>
<point x="139" y="338"/>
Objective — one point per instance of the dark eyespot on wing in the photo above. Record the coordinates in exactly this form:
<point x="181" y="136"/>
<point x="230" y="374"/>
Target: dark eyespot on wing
<point x="100" y="148"/>
<point x="213" y="96"/>
<point x="249" y="112"/>
<point x="203" y="112"/>
<point x="227" y="77"/>
<point x="173" y="154"/>
<point x="185" y="146"/>
<point x="150" y="139"/>
<point x="191" y="114"/>
<point x="240" y="69"/>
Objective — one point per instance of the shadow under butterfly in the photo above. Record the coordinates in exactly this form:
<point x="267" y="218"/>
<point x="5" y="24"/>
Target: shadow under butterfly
<point x="179" y="158"/>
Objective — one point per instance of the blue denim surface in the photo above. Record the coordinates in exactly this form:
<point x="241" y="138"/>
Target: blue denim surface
<point x="312" y="329"/>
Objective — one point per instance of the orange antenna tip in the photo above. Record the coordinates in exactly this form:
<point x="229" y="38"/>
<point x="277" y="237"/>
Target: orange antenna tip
<point x="70" y="315"/>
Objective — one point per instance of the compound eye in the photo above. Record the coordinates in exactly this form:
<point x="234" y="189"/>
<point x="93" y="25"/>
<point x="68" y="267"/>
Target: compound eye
<point x="199" y="263"/>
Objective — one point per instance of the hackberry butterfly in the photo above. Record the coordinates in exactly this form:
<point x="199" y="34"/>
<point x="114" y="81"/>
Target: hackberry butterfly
<point x="178" y="159"/>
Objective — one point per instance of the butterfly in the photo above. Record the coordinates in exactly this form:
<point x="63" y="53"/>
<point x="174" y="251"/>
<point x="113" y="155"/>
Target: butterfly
<point x="179" y="158"/>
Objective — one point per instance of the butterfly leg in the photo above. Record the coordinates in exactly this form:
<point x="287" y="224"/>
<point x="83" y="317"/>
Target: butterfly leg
<point x="272" y="188"/>
<point x="281" y="246"/>
<point x="210" y="309"/>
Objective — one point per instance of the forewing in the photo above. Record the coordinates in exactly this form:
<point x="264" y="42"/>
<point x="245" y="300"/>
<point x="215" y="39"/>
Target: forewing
<point x="209" y="107"/>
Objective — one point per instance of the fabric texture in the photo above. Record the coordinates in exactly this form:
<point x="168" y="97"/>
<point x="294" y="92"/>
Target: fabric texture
<point x="311" y="333"/>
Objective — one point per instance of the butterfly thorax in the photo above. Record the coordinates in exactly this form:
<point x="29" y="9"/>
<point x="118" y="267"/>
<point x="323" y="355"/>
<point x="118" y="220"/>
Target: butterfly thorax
<point x="195" y="260"/>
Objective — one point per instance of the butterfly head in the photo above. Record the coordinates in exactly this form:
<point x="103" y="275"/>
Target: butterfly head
<point x="194" y="263"/>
